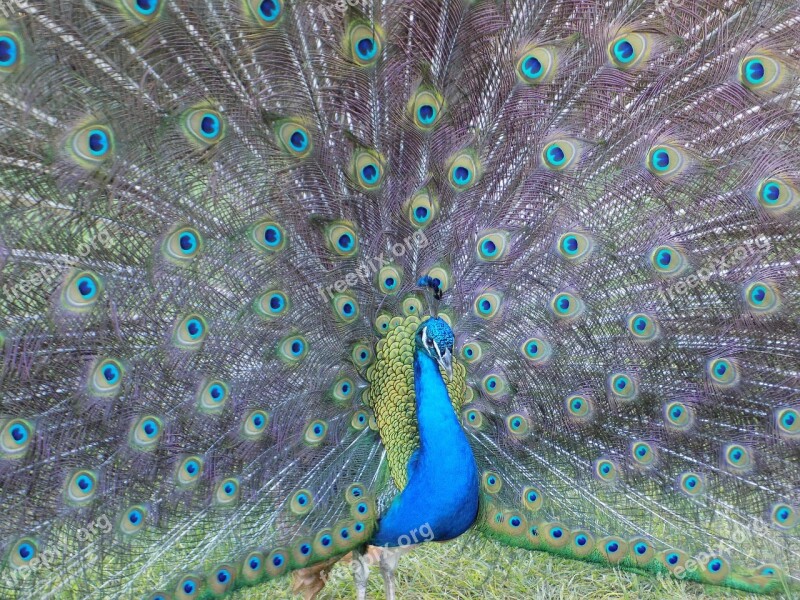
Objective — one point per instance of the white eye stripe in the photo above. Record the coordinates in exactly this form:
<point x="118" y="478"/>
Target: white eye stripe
<point x="435" y="345"/>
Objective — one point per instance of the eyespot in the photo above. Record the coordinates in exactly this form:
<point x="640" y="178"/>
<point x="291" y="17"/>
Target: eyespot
<point x="643" y="327"/>
<point x="623" y="386"/>
<point x="560" y="154"/>
<point x="212" y="396"/>
<point x="473" y="417"/>
<point x="737" y="458"/>
<point x="532" y="498"/>
<point x="643" y="454"/>
<point x="673" y="559"/>
<point x="770" y="571"/>
<point x="365" y="43"/>
<point x="582" y="543"/>
<point x="15" y="438"/>
<point x="471" y="352"/>
<point x="492" y="246"/>
<point x="630" y="50"/>
<point x="555" y="535"/>
<point x="537" y="65"/>
<point x="536" y="350"/>
<point x="715" y="570"/>
<point x="145" y="433"/>
<point x="182" y="245"/>
<point x="203" y="126"/>
<point x="188" y="471"/>
<point x="440" y="276"/>
<point x="574" y="246"/>
<point x="666" y="161"/>
<point x="363" y="509"/>
<point x="302" y="551"/>
<point x="722" y="372"/>
<point x="253" y="566"/>
<point x="760" y="73"/>
<point x="343" y="389"/>
<point x="412" y="306"/>
<point x="276" y="563"/>
<point x="579" y="407"/>
<point x="293" y="349"/>
<point x="566" y="306"/>
<point x="255" y="424"/>
<point x="342" y="239"/>
<point x="316" y="432"/>
<point x="227" y="492"/>
<point x="368" y="169"/>
<point x="23" y="552"/>
<point x="345" y="307"/>
<point x="268" y="236"/>
<point x="382" y="322"/>
<point x="133" y="519"/>
<point x="678" y="415"/>
<point x="11" y="51"/>
<point x="141" y="11"/>
<point x="783" y="515"/>
<point x="641" y="551"/>
<point x="360" y="420"/>
<point x="361" y="354"/>
<point x="106" y="378"/>
<point x="613" y="549"/>
<point x="188" y="588"/>
<point x="513" y="523"/>
<point x="777" y="196"/>
<point x="487" y="305"/>
<point x="787" y="422"/>
<point x="81" y="291"/>
<point x="464" y="170"/>
<point x="517" y="424"/>
<point x="667" y="260"/>
<point x="272" y="304"/>
<point x="81" y="487"/>
<point x="91" y="145"/>
<point x="293" y="138"/>
<point x="691" y="484"/>
<point x="221" y="579"/>
<point x="605" y="470"/>
<point x="761" y="297"/>
<point x="494" y="384"/>
<point x="426" y="108"/>
<point x="491" y="482"/>
<point x="354" y="493"/>
<point x="422" y="208"/>
<point x="265" y="13"/>
<point x="323" y="543"/>
<point x="390" y="280"/>
<point x="190" y="332"/>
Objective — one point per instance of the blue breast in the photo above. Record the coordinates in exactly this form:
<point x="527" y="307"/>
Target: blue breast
<point x="441" y="499"/>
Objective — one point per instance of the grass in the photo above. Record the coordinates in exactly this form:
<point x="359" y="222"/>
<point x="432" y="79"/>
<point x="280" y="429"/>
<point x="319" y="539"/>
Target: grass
<point x="474" y="567"/>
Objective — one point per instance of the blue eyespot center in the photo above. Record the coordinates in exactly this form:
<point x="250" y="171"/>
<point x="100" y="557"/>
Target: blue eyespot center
<point x="297" y="347"/>
<point x="19" y="434"/>
<point x="86" y="287"/>
<point x="623" y="50"/>
<point x="277" y="560"/>
<point x="188" y="587"/>
<point x="134" y="517"/>
<point x="188" y="242"/>
<point x="421" y="213"/>
<point x="427" y="114"/>
<point x="222" y="576"/>
<point x="110" y="373"/>
<point x="254" y="563"/>
<point x="661" y="160"/>
<point x="640" y="548"/>
<point x="216" y="391"/>
<point x="581" y="540"/>
<point x="532" y="67"/>
<point x="84" y="483"/>
<point x="366" y="48"/>
<point x="195" y="328"/>
<point x="150" y="428"/>
<point x="571" y="244"/>
<point x="673" y="559"/>
<point x="25" y="551"/>
<point x="664" y="258"/>
<point x="640" y="324"/>
<point x="269" y="10"/>
<point x="192" y="467"/>
<point x="345" y="241"/>
<point x="612" y="547"/>
<point x="557" y="532"/>
<point x="8" y="51"/>
<point x="555" y="155"/>
<point x="272" y="236"/>
<point x="209" y="125"/>
<point x="715" y="565"/>
<point x="146" y="7"/>
<point x="771" y="193"/>
<point x="462" y="175"/>
<point x="754" y="71"/>
<point x="305" y="549"/>
<point x="326" y="540"/>
<point x="298" y="140"/>
<point x="98" y="142"/>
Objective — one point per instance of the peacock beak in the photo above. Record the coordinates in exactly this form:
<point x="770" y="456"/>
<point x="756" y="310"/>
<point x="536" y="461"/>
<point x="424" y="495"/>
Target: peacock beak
<point x="445" y="360"/>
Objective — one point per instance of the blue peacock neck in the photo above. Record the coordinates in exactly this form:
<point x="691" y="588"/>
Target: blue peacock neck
<point x="442" y="491"/>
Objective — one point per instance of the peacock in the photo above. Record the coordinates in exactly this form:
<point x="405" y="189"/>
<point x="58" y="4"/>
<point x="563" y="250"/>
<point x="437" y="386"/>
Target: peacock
<point x="289" y="280"/>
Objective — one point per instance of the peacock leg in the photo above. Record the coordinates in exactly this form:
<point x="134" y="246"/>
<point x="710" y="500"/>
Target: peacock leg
<point x="390" y="557"/>
<point x="360" y="566"/>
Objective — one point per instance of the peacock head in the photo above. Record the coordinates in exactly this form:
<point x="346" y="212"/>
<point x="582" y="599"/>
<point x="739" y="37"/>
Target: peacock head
<point x="435" y="338"/>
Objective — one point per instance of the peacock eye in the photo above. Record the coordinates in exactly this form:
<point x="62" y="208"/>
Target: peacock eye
<point x="429" y="342"/>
